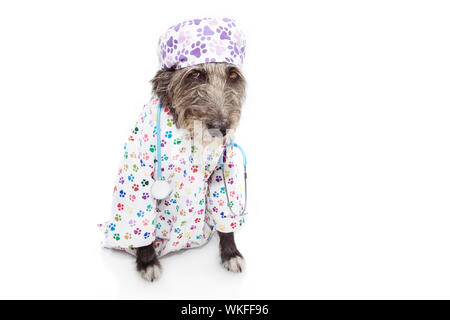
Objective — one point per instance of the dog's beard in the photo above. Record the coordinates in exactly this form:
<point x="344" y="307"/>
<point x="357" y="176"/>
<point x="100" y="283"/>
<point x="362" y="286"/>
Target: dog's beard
<point x="210" y="138"/>
<point x="195" y="122"/>
<point x="203" y="144"/>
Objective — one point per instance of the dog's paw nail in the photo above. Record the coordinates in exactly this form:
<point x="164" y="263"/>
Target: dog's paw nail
<point x="152" y="273"/>
<point x="235" y="264"/>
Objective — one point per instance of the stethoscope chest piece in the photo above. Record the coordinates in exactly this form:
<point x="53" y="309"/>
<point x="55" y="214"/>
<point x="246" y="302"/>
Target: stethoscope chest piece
<point x="161" y="189"/>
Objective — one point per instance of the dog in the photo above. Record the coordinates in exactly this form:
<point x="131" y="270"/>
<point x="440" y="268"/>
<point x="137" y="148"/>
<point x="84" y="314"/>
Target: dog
<point x="200" y="81"/>
<point x="212" y="93"/>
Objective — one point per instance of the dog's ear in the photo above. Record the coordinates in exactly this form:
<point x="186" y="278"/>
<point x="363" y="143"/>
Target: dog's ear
<point x="161" y="83"/>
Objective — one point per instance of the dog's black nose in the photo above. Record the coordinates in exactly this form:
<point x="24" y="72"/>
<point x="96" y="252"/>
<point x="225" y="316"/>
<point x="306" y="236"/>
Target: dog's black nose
<point x="218" y="126"/>
<point x="223" y="131"/>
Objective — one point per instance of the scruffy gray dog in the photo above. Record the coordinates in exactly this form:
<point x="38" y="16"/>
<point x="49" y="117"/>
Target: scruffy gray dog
<point x="199" y="81"/>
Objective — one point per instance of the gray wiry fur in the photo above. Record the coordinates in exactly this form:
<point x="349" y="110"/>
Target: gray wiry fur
<point x="212" y="97"/>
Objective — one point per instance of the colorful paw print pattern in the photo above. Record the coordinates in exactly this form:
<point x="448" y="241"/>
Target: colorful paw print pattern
<point x="200" y="41"/>
<point x="197" y="205"/>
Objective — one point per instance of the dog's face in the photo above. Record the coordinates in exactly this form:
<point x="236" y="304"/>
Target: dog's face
<point x="212" y="93"/>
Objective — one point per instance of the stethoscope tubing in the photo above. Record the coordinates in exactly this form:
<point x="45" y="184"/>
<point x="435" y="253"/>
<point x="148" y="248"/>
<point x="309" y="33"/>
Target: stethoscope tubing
<point x="158" y="141"/>
<point x="243" y="213"/>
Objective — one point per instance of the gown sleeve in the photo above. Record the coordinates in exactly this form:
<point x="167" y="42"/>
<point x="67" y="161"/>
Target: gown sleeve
<point x="218" y="209"/>
<point x="133" y="211"/>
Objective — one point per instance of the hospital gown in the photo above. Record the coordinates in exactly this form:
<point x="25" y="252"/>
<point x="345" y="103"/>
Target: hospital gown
<point x="197" y="205"/>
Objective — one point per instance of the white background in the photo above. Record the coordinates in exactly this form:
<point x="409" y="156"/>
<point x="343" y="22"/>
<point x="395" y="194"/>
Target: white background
<point x="346" y="129"/>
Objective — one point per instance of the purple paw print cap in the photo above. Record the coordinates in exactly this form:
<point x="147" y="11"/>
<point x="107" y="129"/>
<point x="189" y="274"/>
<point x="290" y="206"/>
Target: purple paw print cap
<point x="200" y="41"/>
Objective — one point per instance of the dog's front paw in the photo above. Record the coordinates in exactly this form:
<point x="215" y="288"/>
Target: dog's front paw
<point x="152" y="272"/>
<point x="234" y="264"/>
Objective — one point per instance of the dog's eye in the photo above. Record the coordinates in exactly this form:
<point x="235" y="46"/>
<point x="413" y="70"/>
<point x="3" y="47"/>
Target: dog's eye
<point x="195" y="74"/>
<point x="233" y="75"/>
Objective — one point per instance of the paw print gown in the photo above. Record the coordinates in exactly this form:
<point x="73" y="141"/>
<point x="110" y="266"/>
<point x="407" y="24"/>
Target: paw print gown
<point x="197" y="205"/>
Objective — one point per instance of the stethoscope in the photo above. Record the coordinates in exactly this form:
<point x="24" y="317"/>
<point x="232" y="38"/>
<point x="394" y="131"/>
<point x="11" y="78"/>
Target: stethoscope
<point x="244" y="160"/>
<point x="161" y="189"/>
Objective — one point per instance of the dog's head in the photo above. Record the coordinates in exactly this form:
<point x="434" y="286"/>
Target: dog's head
<point x="210" y="93"/>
